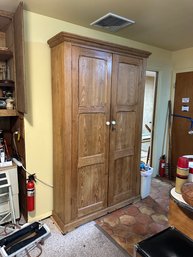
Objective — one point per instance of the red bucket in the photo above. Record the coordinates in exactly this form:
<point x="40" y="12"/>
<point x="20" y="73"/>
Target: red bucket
<point x="183" y="162"/>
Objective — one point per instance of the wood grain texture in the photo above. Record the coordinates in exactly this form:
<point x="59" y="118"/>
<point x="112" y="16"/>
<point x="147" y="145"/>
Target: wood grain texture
<point x="94" y="43"/>
<point x="124" y="137"/>
<point x="8" y="113"/>
<point x="66" y="227"/>
<point x="91" y="86"/>
<point x="181" y="219"/>
<point x="61" y="96"/>
<point x="19" y="59"/>
<point x="95" y="165"/>
<point x="182" y="142"/>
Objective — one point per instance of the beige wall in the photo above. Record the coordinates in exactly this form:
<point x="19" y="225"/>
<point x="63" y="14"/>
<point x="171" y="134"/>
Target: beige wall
<point x="182" y="60"/>
<point x="38" y="121"/>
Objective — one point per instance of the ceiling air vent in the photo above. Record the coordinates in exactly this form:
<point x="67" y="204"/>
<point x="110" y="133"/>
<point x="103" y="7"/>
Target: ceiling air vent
<point x="112" y="22"/>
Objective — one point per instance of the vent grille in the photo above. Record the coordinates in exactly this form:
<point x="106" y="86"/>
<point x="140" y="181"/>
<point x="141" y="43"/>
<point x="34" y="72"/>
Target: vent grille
<point x="112" y="22"/>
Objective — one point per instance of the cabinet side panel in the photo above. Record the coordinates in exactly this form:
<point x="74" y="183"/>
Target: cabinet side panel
<point x="61" y="92"/>
<point x="19" y="59"/>
<point x="139" y="120"/>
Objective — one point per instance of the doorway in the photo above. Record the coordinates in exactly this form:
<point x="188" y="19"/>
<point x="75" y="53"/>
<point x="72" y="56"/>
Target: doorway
<point x="148" y="116"/>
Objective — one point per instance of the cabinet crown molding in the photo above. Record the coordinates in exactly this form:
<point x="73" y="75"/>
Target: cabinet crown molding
<point x="85" y="41"/>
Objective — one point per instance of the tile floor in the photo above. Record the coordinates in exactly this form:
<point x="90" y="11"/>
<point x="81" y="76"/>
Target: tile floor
<point x="140" y="220"/>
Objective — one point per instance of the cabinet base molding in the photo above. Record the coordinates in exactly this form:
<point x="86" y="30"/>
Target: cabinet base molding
<point x="65" y="228"/>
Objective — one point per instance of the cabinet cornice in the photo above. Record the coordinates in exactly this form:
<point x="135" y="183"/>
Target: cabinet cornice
<point x="85" y="41"/>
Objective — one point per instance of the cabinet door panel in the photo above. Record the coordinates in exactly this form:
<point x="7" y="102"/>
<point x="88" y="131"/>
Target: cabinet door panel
<point x="124" y="138"/>
<point x="91" y="189"/>
<point x="91" y="84"/>
<point x="127" y="80"/>
<point x="91" y="109"/>
<point x="123" y="178"/>
<point x="125" y="134"/>
<point x="89" y="125"/>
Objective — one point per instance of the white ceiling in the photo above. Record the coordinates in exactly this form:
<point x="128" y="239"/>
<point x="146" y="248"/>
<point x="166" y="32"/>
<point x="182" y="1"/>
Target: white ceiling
<point x="166" y="24"/>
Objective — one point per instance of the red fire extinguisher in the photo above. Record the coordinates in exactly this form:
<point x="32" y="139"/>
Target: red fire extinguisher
<point x="31" y="193"/>
<point x="162" y="166"/>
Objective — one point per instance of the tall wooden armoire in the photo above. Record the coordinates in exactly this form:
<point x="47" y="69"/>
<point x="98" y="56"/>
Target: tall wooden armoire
<point x="98" y="91"/>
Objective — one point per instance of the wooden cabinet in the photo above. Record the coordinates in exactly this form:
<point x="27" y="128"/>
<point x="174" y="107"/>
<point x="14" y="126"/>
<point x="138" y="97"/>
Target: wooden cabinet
<point x="180" y="218"/>
<point x="12" y="86"/>
<point x="12" y="60"/>
<point x="97" y="90"/>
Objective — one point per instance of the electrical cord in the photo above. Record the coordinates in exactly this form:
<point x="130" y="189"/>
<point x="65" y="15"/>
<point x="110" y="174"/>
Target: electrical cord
<point x="37" y="245"/>
<point x="41" y="181"/>
<point x="19" y="164"/>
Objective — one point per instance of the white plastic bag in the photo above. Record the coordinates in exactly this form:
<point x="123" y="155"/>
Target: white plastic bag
<point x="147" y="173"/>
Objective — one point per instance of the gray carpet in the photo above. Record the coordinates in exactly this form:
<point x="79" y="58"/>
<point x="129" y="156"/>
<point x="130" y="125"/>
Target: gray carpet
<point x="85" y="241"/>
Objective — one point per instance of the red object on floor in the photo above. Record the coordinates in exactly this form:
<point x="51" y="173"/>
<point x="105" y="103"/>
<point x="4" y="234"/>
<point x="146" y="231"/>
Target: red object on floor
<point x="162" y="166"/>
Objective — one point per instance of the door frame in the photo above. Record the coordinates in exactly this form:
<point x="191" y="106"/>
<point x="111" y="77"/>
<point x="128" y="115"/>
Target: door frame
<point x="154" y="112"/>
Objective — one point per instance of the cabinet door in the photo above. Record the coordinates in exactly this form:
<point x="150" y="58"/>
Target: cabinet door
<point x="91" y="82"/>
<point x="19" y="59"/>
<point x="125" y="133"/>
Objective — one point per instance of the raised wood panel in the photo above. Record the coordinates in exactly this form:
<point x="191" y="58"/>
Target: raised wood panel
<point x="91" y="134"/>
<point x="91" y="189"/>
<point x="125" y="130"/>
<point x="127" y="81"/>
<point x="91" y="84"/>
<point x="122" y="182"/>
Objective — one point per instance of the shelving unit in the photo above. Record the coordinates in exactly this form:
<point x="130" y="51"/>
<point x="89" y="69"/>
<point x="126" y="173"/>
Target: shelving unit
<point x="5" y="55"/>
<point x="12" y="85"/>
<point x="8" y="113"/>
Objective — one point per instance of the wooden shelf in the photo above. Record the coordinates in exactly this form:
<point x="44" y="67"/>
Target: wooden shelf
<point x="8" y="84"/>
<point x="7" y="113"/>
<point x="5" y="55"/>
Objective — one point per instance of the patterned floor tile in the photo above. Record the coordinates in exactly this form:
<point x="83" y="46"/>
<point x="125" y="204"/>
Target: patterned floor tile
<point x="140" y="220"/>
